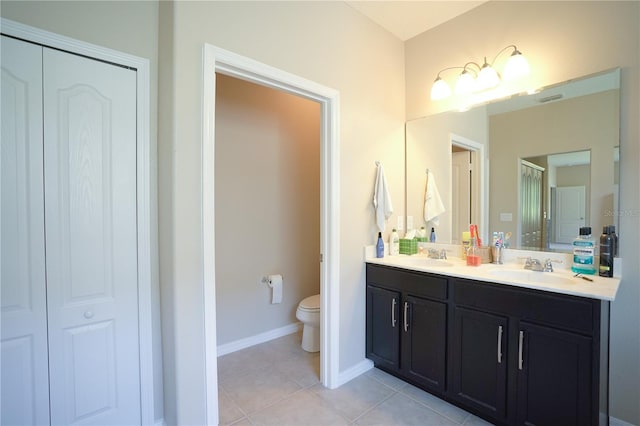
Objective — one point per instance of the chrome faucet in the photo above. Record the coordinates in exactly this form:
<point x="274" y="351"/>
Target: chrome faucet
<point x="437" y="254"/>
<point x="537" y="265"/>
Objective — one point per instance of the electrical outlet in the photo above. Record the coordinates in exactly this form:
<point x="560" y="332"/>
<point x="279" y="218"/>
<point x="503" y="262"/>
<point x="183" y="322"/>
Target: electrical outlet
<point x="409" y="223"/>
<point x="400" y="224"/>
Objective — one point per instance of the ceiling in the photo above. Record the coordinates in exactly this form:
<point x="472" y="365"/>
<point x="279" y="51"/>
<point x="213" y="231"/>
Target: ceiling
<point x="407" y="19"/>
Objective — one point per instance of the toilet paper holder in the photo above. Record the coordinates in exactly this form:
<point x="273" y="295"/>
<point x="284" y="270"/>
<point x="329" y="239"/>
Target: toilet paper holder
<point x="266" y="280"/>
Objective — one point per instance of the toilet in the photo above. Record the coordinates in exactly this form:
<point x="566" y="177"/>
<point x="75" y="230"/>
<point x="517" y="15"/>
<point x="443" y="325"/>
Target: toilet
<point x="308" y="313"/>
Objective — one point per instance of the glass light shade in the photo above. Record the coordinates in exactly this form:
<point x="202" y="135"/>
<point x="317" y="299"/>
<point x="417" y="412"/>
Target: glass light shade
<point x="516" y="67"/>
<point x="487" y="78"/>
<point x="440" y="90"/>
<point x="465" y="83"/>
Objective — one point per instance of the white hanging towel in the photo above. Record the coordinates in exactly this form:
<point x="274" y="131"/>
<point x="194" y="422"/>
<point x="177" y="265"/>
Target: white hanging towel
<point x="381" y="199"/>
<point x="433" y="206"/>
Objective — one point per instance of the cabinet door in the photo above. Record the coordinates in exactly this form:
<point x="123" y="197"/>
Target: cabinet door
<point x="383" y="327"/>
<point x="554" y="377"/>
<point x="91" y="240"/>
<point x="424" y="341"/>
<point x="25" y="382"/>
<point x="479" y="356"/>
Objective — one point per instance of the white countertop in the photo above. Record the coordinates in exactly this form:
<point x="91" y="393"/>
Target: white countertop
<point x="561" y="280"/>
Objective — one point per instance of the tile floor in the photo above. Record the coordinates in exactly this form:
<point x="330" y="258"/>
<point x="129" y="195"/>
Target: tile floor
<point x="277" y="383"/>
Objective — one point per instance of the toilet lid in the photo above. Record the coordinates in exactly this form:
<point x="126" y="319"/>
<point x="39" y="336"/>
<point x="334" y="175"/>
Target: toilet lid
<point x="311" y="303"/>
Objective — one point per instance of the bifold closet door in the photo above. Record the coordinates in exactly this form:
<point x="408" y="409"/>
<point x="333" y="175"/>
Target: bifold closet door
<point x="91" y="246"/>
<point x="24" y="376"/>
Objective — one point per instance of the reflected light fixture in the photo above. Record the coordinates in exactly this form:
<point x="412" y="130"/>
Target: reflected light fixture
<point x="484" y="78"/>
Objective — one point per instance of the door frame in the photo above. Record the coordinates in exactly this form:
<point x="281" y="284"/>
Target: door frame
<point x="479" y="164"/>
<point x="143" y="186"/>
<point x="218" y="60"/>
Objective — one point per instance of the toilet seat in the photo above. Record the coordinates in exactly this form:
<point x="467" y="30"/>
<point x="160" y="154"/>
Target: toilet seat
<point x="310" y="304"/>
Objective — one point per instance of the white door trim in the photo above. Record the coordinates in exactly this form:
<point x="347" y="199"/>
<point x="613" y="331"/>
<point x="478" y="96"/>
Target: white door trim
<point x="225" y="62"/>
<point x="479" y="149"/>
<point x="143" y="178"/>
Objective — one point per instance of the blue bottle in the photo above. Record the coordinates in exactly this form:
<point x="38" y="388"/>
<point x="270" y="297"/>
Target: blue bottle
<point x="380" y="246"/>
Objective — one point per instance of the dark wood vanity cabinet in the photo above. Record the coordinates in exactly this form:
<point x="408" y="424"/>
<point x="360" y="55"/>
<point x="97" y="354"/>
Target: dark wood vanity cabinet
<point x="406" y="325"/>
<point x="510" y="355"/>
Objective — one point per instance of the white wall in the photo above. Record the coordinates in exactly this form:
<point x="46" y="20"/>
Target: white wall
<point x="561" y="40"/>
<point x="267" y="198"/>
<point x="132" y="29"/>
<point x="327" y="42"/>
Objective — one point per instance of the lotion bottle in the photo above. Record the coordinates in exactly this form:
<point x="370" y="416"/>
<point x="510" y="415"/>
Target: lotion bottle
<point x="380" y="246"/>
<point x="394" y="243"/>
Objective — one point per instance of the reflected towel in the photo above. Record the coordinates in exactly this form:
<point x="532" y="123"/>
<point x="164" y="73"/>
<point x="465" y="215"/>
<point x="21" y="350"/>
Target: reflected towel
<point x="433" y="206"/>
<point x="381" y="199"/>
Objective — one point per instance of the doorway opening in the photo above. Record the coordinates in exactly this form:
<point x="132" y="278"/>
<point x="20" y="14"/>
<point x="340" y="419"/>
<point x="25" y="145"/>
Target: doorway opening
<point x="221" y="61"/>
<point x="467" y="186"/>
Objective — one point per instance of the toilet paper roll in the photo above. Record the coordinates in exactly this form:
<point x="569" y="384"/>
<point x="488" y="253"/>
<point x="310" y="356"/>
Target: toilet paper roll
<point x="275" y="282"/>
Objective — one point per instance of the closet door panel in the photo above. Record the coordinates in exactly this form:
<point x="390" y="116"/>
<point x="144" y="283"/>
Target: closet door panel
<point x="90" y="205"/>
<point x="25" y="386"/>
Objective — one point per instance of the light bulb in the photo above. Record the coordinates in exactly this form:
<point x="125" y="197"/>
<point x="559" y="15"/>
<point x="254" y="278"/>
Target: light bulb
<point x="465" y="83"/>
<point x="516" y="67"/>
<point x="488" y="77"/>
<point x="440" y="90"/>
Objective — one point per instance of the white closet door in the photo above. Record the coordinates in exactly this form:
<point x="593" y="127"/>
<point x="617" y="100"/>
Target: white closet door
<point x="25" y="385"/>
<point x="90" y="216"/>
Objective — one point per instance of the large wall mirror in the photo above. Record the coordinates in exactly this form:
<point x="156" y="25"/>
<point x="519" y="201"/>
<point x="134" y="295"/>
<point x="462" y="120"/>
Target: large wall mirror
<point x="537" y="166"/>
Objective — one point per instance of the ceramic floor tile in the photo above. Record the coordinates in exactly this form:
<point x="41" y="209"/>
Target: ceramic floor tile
<point x="387" y="379"/>
<point x="304" y="369"/>
<point x="228" y="411"/>
<point x="438" y="405"/>
<point x="301" y="408"/>
<point x="251" y="392"/>
<point x="245" y="361"/>
<point x="355" y="397"/>
<point x="402" y="410"/>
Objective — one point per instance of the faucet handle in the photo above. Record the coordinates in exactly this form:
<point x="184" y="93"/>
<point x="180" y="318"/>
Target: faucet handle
<point x="548" y="264"/>
<point x="528" y="261"/>
<point x="443" y="254"/>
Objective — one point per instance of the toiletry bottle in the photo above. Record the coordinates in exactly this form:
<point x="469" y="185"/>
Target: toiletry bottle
<point x="432" y="236"/>
<point x="473" y="254"/>
<point x="606" y="253"/>
<point x="583" y="252"/>
<point x="394" y="243"/>
<point x="615" y="240"/>
<point x="422" y="233"/>
<point x="466" y="242"/>
<point x="380" y="246"/>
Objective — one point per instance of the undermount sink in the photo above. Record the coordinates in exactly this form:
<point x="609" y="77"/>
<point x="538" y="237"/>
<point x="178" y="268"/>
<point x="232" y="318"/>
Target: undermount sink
<point x="425" y="261"/>
<point x="532" y="276"/>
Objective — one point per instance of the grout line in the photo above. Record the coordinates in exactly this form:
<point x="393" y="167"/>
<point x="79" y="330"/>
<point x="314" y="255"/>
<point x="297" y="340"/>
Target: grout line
<point x="393" y="392"/>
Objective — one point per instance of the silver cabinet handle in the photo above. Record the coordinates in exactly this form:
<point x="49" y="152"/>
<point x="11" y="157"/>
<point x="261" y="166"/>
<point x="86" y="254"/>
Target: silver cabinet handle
<point x="520" y="349"/>
<point x="393" y="312"/>
<point x="500" y="344"/>
<point x="406" y="315"/>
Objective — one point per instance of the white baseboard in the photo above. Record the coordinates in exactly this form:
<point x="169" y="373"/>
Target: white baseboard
<point x="617" y="422"/>
<point x="353" y="372"/>
<point x="237" y="345"/>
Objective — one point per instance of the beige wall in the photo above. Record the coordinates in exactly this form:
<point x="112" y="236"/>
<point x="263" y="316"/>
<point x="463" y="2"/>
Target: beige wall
<point x="267" y="197"/>
<point x="578" y="124"/>
<point x="327" y="42"/>
<point x="562" y="40"/>
<point x="132" y="29"/>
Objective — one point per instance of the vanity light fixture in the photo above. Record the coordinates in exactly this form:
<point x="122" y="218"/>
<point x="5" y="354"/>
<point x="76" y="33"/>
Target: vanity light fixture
<point x="484" y="78"/>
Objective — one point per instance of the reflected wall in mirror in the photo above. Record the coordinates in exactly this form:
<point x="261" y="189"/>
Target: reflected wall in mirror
<point x="549" y="163"/>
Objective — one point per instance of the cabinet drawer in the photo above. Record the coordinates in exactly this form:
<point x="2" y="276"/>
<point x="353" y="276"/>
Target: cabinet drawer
<point x="571" y="313"/>
<point x="414" y="283"/>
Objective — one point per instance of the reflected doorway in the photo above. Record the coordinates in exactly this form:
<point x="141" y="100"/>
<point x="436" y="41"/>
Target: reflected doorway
<point x="466" y="184"/>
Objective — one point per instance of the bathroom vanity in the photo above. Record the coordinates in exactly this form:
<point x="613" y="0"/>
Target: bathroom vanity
<point x="503" y="346"/>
